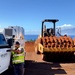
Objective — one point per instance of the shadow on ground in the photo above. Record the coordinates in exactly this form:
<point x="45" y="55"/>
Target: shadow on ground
<point x="43" y="68"/>
<point x="10" y="71"/>
<point x="61" y="60"/>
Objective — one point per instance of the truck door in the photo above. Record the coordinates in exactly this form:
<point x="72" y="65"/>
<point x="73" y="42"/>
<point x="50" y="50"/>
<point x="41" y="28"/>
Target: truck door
<point x="4" y="55"/>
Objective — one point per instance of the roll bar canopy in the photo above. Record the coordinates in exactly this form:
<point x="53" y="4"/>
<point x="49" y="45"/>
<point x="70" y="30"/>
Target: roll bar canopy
<point x="49" y="20"/>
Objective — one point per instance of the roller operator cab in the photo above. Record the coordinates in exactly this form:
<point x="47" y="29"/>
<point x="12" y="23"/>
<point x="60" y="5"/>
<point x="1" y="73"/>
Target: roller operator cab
<point x="4" y="55"/>
<point x="53" y="46"/>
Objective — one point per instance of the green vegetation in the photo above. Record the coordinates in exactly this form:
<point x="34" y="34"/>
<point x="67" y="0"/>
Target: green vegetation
<point x="31" y="40"/>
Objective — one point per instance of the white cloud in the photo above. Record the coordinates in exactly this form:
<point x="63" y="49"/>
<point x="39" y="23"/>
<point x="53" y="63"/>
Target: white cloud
<point x="0" y="26"/>
<point x="66" y="26"/>
<point x="69" y="29"/>
<point x="3" y="26"/>
<point x="32" y="32"/>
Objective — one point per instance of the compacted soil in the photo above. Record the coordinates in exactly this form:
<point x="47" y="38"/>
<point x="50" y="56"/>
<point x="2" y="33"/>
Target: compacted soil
<point x="35" y="65"/>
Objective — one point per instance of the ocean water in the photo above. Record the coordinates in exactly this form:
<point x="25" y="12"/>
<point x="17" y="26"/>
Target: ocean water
<point x="31" y="37"/>
<point x="34" y="37"/>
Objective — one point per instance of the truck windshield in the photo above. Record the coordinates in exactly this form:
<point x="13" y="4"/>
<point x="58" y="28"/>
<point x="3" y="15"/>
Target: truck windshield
<point x="2" y="40"/>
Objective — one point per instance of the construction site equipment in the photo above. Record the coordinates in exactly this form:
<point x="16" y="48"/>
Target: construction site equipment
<point x="13" y="30"/>
<point x="53" y="46"/>
<point x="5" y="49"/>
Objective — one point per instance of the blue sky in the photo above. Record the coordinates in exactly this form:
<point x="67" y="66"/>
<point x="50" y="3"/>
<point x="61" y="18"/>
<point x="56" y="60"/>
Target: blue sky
<point x="30" y="13"/>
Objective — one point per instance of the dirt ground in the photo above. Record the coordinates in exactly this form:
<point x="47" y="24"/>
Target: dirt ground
<point x="29" y="46"/>
<point x="36" y="66"/>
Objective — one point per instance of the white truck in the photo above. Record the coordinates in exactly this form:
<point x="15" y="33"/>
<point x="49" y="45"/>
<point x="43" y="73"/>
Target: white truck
<point x="13" y="30"/>
<point x="5" y="55"/>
